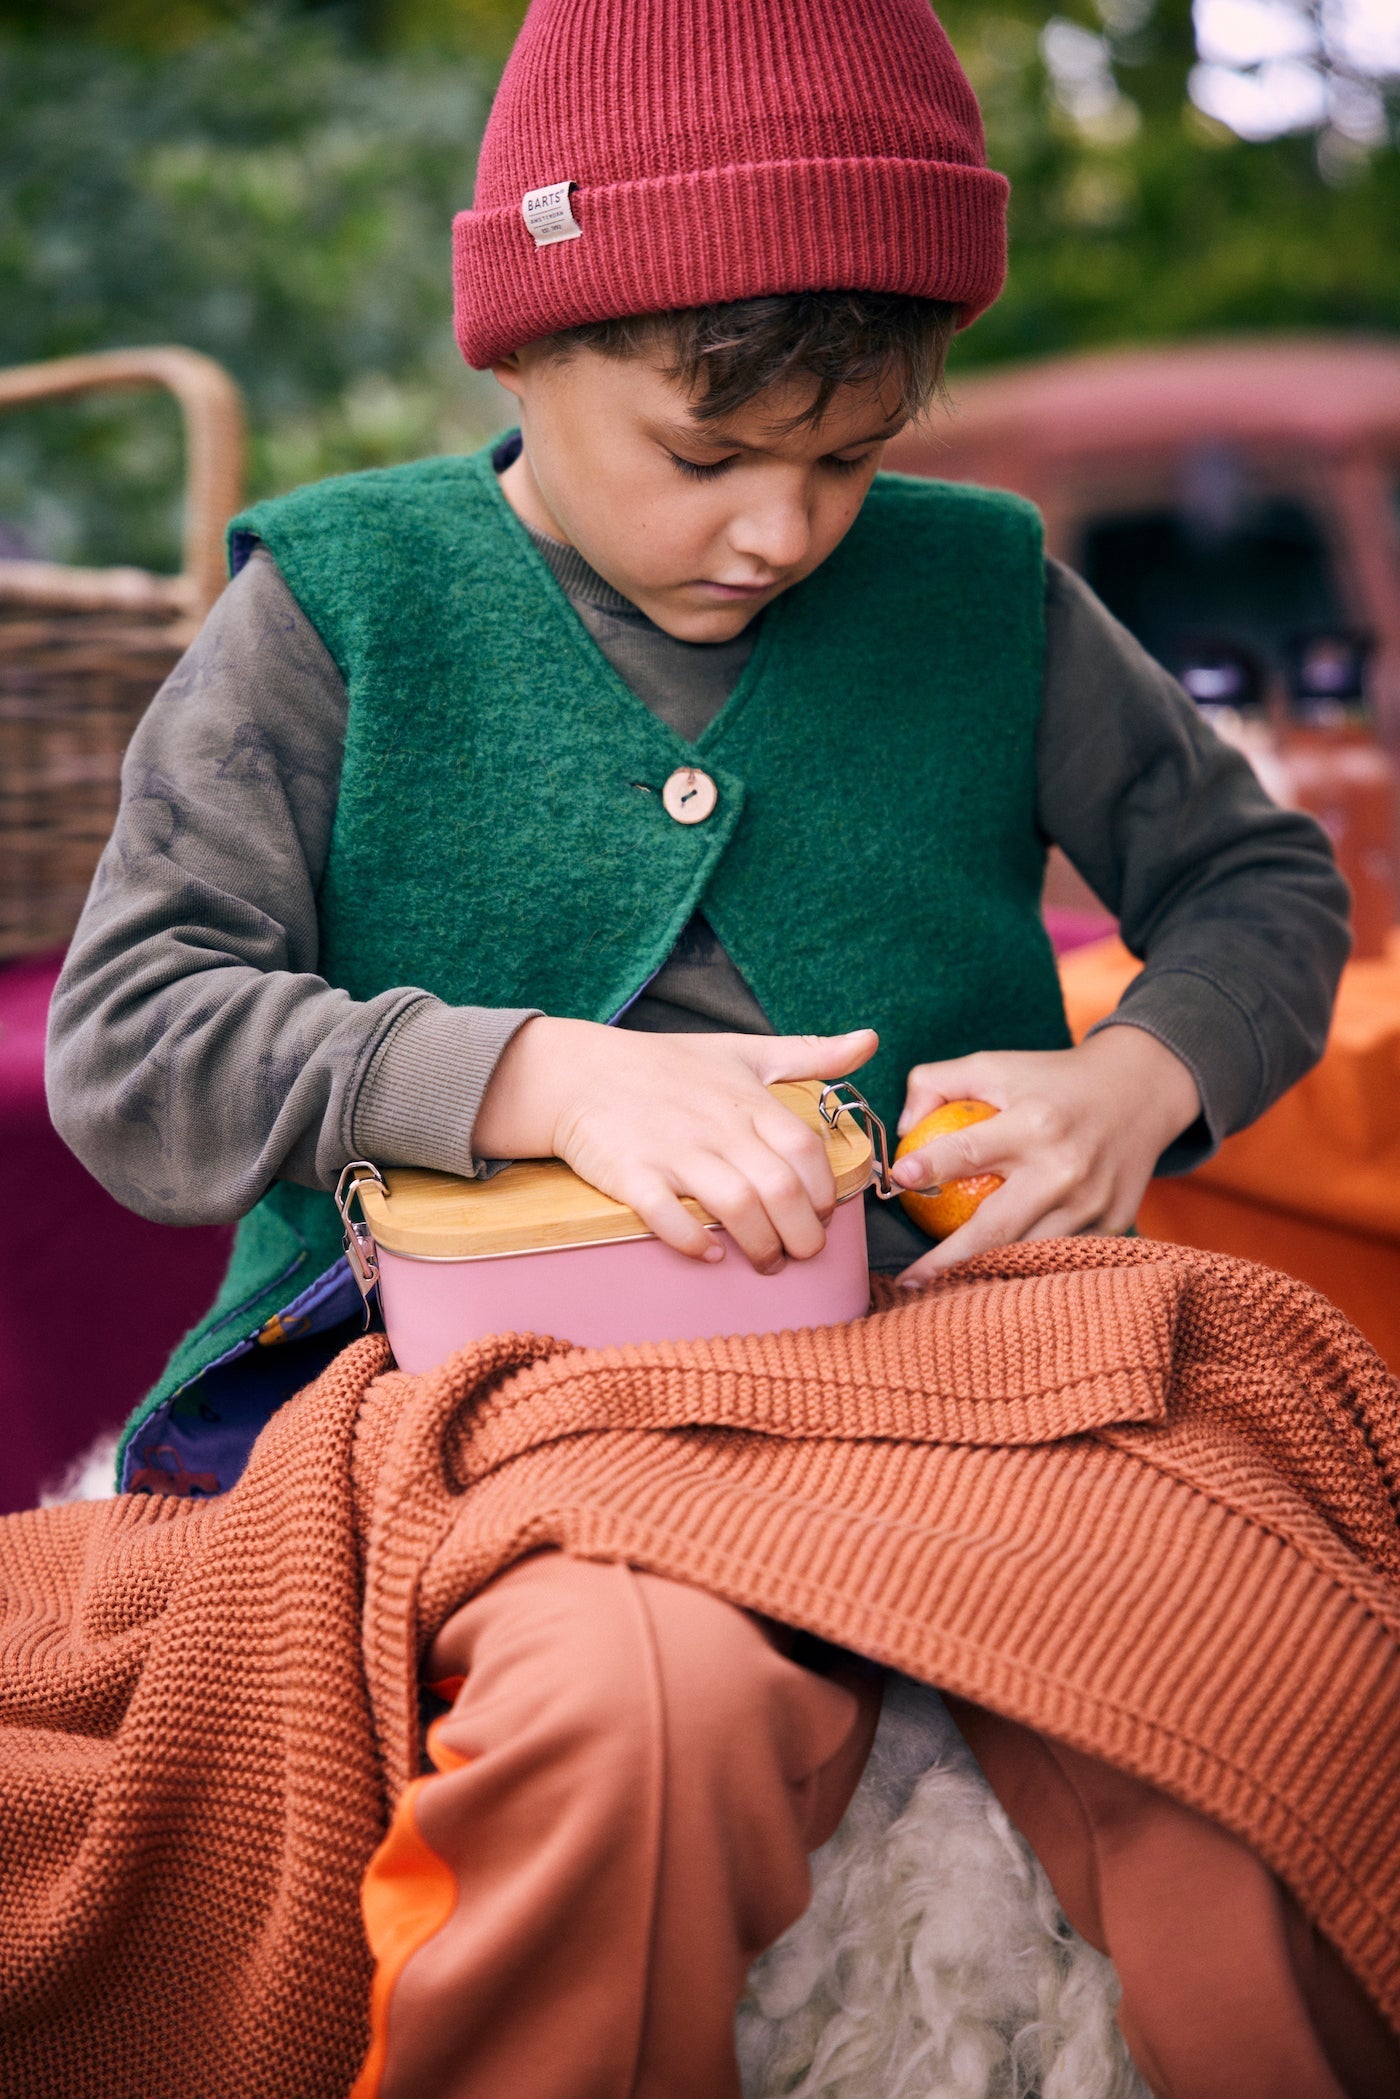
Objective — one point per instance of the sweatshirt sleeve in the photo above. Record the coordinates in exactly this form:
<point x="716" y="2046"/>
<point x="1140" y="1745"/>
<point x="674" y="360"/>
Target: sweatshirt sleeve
<point x="1235" y="904"/>
<point x="194" y="1053"/>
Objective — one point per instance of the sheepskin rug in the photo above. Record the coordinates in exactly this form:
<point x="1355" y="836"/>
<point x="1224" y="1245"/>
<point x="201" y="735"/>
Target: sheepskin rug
<point x="88" y="1478"/>
<point x="933" y="1961"/>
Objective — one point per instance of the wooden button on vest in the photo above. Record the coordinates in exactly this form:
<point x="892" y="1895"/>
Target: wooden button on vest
<point x="689" y="795"/>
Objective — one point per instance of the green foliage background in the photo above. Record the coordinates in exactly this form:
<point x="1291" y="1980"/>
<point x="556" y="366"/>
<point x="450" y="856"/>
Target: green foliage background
<point x="275" y="186"/>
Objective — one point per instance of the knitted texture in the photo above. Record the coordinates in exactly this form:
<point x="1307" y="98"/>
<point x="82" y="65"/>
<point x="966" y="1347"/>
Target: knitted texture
<point x="1141" y="1498"/>
<point x="719" y="151"/>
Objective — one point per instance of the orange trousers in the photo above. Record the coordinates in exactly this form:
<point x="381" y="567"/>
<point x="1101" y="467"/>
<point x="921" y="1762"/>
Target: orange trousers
<point x="1228" y="1991"/>
<point x="630" y="1780"/>
<point x="624" y="1795"/>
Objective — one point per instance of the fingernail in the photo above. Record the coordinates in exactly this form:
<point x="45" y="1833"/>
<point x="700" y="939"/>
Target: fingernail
<point x="773" y="1268"/>
<point x="713" y="1252"/>
<point x="909" y="1282"/>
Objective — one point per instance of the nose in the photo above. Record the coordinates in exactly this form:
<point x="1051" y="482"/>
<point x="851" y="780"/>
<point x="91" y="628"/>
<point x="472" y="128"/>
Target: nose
<point x="774" y="530"/>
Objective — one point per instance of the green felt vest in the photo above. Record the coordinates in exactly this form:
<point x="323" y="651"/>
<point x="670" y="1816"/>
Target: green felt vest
<point x="500" y="837"/>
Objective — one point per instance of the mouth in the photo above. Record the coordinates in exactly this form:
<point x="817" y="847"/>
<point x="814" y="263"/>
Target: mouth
<point x="734" y="593"/>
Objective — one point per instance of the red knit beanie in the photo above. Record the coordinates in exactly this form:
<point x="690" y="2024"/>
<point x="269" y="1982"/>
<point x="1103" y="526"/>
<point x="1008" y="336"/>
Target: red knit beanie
<point x="647" y="154"/>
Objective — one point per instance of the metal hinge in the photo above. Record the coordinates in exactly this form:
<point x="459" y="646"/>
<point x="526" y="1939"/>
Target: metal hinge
<point x="359" y="1240"/>
<point x="843" y="1098"/>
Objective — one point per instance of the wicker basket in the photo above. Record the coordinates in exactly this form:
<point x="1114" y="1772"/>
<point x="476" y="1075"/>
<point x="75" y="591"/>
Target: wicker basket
<point x="82" y="650"/>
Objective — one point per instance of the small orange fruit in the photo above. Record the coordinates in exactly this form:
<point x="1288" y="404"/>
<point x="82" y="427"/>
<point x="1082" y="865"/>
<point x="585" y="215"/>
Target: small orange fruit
<point x="940" y="1213"/>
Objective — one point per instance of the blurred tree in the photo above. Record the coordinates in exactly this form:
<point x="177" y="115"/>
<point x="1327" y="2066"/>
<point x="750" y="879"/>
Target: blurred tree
<point x="268" y="196"/>
<point x="1134" y="215"/>
<point x="484" y="29"/>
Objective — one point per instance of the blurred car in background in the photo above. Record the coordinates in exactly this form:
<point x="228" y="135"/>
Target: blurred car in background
<point x="1244" y="491"/>
<point x="1237" y="505"/>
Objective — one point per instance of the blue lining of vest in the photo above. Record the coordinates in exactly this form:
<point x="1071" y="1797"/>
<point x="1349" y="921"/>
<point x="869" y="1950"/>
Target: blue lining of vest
<point x="628" y="1004"/>
<point x="197" y="1443"/>
<point x="240" y="549"/>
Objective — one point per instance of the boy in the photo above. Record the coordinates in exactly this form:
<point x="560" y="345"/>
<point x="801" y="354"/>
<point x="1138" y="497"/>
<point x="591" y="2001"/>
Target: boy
<point x="560" y="799"/>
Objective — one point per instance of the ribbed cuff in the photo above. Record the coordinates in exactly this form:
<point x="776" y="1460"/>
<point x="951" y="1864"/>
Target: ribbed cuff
<point x="1198" y="1020"/>
<point x="930" y="229"/>
<point x="420" y="1099"/>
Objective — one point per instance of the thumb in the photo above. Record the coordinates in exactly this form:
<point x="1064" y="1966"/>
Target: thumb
<point x="813" y="1056"/>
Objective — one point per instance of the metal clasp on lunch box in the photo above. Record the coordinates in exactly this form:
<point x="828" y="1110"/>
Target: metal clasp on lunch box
<point x="359" y="1240"/>
<point x="843" y="1098"/>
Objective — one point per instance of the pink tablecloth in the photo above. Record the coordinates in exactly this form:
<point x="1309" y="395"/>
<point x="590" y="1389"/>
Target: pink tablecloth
<point x="92" y="1298"/>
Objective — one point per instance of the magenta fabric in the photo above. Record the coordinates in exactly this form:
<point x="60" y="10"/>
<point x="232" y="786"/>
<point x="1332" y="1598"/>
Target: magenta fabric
<point x="711" y="151"/>
<point x="1071" y="929"/>
<point x="92" y="1298"/>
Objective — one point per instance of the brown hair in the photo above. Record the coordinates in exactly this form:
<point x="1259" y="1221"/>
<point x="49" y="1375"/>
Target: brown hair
<point x="728" y="354"/>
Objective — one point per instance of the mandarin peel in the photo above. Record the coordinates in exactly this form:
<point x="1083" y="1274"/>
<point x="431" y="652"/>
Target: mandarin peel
<point x="940" y="1211"/>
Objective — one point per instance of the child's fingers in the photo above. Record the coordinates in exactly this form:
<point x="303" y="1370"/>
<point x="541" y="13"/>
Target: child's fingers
<point x="929" y="1086"/>
<point x="662" y="1212"/>
<point x="809" y="1056"/>
<point x="983" y="1147"/>
<point x="1021" y="1209"/>
<point x="761" y="1202"/>
<point x="732" y="1200"/>
<point x="803" y="1150"/>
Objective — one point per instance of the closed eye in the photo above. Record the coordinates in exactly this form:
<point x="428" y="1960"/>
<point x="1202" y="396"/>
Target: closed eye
<point x="711" y="470"/>
<point x="697" y="472"/>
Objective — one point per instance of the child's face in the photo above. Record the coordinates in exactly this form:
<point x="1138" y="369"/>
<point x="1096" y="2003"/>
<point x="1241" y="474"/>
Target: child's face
<point x="699" y="524"/>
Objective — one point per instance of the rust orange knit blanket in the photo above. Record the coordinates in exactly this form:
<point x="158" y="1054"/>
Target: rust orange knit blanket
<point x="1140" y="1498"/>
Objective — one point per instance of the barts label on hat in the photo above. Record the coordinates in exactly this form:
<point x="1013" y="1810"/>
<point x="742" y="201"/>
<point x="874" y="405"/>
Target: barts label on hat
<point x="549" y="215"/>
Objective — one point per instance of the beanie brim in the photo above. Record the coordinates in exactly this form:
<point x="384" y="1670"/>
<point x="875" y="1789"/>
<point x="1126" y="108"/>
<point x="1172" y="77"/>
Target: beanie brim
<point x="928" y="229"/>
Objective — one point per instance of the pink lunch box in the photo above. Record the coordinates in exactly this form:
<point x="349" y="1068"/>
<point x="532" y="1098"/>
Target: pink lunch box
<point x="537" y="1250"/>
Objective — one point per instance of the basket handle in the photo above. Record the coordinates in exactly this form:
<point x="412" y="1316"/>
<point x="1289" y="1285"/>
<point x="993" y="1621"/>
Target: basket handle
<point x="212" y="409"/>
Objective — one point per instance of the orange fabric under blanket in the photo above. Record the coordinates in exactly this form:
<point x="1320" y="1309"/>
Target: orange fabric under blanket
<point x="1138" y="1498"/>
<point x="1313" y="1187"/>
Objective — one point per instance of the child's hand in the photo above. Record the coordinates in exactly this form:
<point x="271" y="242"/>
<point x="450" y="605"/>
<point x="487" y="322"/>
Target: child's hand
<point x="650" y="1118"/>
<point x="1076" y="1140"/>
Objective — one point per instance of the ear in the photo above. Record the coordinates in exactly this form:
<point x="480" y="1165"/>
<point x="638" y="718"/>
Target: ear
<point x="508" y="373"/>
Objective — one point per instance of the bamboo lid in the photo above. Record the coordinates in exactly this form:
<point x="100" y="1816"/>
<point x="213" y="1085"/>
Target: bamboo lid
<point x="541" y="1203"/>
